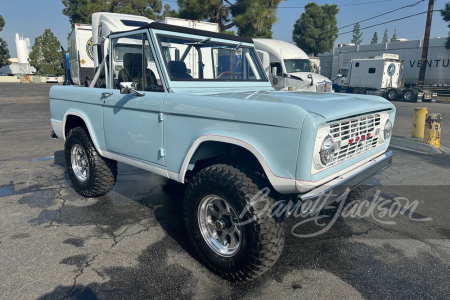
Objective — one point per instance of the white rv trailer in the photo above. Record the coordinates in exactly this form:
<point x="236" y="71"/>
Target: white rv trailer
<point x="81" y="53"/>
<point x="381" y="75"/>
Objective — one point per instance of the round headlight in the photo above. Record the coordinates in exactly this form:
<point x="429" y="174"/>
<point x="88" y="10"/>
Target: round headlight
<point x="387" y="129"/>
<point x="327" y="150"/>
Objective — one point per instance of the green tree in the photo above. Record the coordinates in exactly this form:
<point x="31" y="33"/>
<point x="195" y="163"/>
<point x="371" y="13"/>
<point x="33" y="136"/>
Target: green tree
<point x="445" y="13"/>
<point x="167" y="12"/>
<point x="357" y="35"/>
<point x="4" y="52"/>
<point x="217" y="11"/>
<point x="385" y="37"/>
<point x="394" y="36"/>
<point x="316" y="30"/>
<point x="45" y="55"/>
<point x="230" y="32"/>
<point x="254" y="18"/>
<point x="80" y="11"/>
<point x="2" y="23"/>
<point x="374" y="38"/>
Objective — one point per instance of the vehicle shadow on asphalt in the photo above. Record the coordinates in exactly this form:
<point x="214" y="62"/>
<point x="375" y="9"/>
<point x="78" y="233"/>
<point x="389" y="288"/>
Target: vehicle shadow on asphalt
<point x="377" y="272"/>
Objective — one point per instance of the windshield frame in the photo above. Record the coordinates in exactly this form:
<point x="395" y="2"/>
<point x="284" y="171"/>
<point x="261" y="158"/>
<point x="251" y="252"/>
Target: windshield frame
<point x="216" y="41"/>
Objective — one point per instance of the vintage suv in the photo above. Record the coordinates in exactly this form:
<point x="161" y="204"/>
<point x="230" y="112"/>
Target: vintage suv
<point x="196" y="107"/>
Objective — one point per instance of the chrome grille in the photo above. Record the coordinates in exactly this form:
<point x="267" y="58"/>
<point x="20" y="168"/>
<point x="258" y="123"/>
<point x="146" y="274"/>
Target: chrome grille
<point x="356" y="136"/>
<point x="324" y="86"/>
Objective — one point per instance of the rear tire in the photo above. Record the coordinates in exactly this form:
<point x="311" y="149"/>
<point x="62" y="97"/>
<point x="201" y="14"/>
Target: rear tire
<point x="218" y="194"/>
<point x="91" y="175"/>
<point x="392" y="94"/>
<point x="409" y="95"/>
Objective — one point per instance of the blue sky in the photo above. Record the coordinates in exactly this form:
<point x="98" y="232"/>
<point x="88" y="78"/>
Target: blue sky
<point x="31" y="17"/>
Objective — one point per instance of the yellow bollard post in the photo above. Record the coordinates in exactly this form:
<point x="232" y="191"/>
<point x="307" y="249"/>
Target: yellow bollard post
<point x="419" y="122"/>
<point x="432" y="134"/>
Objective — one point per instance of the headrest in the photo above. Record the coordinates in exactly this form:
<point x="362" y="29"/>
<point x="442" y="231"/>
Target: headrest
<point x="177" y="67"/>
<point x="132" y="61"/>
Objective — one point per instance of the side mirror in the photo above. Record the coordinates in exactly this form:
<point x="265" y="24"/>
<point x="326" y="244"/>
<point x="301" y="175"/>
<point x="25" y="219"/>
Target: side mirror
<point x="128" y="87"/>
<point x="312" y="80"/>
<point x="274" y="72"/>
<point x="339" y="75"/>
<point x="125" y="87"/>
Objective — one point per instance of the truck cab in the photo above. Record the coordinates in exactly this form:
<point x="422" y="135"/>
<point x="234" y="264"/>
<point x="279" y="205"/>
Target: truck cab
<point x="288" y="67"/>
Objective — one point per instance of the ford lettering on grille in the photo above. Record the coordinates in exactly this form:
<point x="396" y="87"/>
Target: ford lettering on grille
<point x="356" y="136"/>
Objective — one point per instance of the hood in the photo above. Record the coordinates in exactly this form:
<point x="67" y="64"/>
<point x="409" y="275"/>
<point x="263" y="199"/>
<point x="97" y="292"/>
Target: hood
<point x="304" y="76"/>
<point x="305" y="83"/>
<point x="331" y="106"/>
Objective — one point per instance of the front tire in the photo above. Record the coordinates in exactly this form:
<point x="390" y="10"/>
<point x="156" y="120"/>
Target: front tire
<point x="91" y="175"/>
<point x="215" y="200"/>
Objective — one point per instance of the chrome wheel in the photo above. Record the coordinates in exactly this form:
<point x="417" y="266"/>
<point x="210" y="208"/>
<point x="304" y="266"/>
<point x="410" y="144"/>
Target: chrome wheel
<point x="80" y="164"/>
<point x="216" y="219"/>
<point x="408" y="96"/>
<point x="392" y="95"/>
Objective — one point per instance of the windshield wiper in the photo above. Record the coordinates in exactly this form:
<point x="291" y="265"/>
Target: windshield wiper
<point x="198" y="43"/>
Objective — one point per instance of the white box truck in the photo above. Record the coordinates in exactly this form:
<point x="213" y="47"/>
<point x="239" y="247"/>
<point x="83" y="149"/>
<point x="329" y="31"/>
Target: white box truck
<point x="289" y="68"/>
<point x="380" y="75"/>
<point x="81" y="54"/>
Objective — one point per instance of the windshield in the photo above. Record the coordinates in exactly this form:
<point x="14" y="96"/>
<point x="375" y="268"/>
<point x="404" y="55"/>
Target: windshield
<point x="201" y="59"/>
<point x="297" y="65"/>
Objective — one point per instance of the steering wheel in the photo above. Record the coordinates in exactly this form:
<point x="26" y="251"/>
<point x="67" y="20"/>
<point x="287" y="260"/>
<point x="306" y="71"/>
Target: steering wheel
<point x="226" y="72"/>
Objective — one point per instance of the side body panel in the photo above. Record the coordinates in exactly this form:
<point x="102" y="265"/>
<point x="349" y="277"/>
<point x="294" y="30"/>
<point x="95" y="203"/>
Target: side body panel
<point x="79" y="101"/>
<point x="246" y="123"/>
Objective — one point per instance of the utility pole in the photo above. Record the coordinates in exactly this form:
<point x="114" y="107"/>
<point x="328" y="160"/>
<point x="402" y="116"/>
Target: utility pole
<point x="426" y="42"/>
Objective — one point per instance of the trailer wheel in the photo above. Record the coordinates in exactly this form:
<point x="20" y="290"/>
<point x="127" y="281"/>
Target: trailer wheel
<point x="392" y="94"/>
<point x="409" y="95"/>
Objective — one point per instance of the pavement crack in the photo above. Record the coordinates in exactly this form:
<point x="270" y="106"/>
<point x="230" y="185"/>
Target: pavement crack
<point x="81" y="271"/>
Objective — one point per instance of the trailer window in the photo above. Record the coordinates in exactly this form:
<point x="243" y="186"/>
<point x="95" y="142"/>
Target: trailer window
<point x="357" y="65"/>
<point x="372" y="70"/>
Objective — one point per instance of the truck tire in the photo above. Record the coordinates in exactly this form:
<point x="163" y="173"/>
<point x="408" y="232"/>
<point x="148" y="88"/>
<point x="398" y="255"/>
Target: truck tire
<point x="214" y="200"/>
<point x="409" y="95"/>
<point x="91" y="175"/>
<point x="392" y="94"/>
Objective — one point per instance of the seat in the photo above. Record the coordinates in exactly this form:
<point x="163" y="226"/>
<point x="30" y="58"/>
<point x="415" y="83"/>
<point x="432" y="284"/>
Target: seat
<point x="132" y="72"/>
<point x="132" y="68"/>
<point x="178" y="70"/>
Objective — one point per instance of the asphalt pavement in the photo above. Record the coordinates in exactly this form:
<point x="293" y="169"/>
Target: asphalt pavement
<point x="132" y="244"/>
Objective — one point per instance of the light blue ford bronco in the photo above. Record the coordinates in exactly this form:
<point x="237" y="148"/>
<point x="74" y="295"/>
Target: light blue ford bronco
<point x="196" y="107"/>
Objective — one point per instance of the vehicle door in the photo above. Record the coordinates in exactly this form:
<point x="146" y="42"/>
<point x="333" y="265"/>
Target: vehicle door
<point x="132" y="122"/>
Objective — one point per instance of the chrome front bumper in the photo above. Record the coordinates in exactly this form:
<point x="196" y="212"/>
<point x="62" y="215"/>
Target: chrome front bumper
<point x="353" y="178"/>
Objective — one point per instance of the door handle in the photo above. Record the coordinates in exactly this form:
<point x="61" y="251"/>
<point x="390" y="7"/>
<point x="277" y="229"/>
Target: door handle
<point x="105" y="95"/>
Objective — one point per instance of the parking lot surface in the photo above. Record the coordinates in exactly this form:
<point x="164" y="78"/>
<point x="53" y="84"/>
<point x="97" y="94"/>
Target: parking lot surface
<point x="132" y="244"/>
